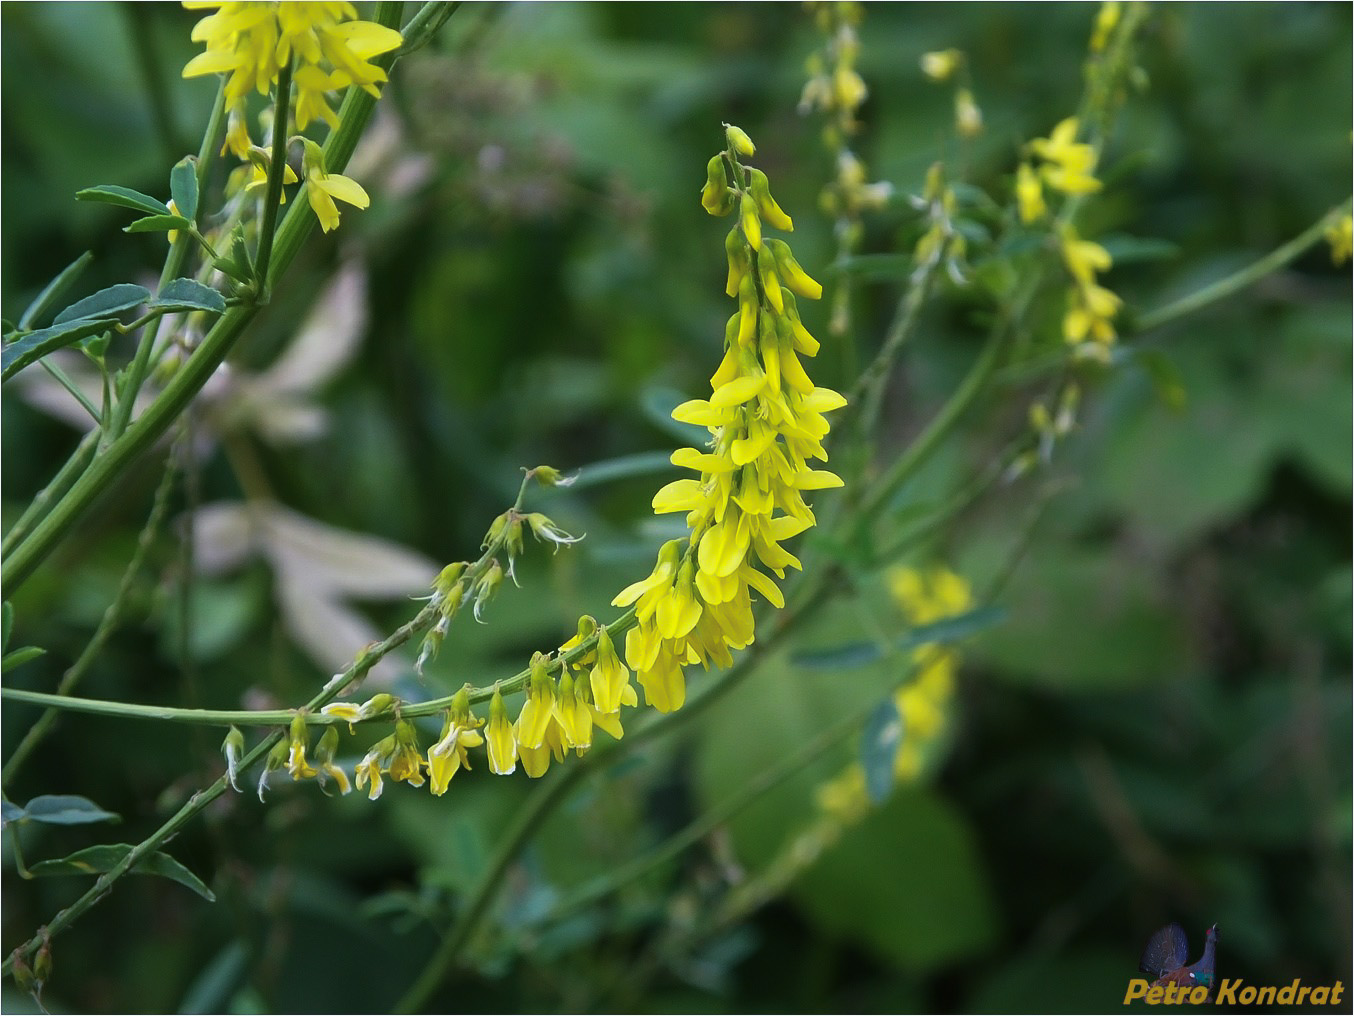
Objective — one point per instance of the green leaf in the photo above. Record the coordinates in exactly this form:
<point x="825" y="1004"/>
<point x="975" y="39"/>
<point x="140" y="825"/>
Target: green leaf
<point x="189" y="294"/>
<point x="106" y="303"/>
<point x="66" y="809"/>
<point x="878" y="749"/>
<point x="10" y="812"/>
<point x="55" y="290"/>
<point x="923" y="901"/>
<point x="658" y="403"/>
<point x="157" y="224"/>
<point x="106" y="856"/>
<point x="35" y="345"/>
<point x="183" y="187"/>
<point x="211" y="989"/>
<point x="609" y="470"/>
<point x="857" y="654"/>
<point x="19" y="657"/>
<point x="6" y="624"/>
<point x="111" y="194"/>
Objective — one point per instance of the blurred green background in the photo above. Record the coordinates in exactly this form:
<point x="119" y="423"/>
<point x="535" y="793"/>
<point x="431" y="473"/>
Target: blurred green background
<point x="1158" y="731"/>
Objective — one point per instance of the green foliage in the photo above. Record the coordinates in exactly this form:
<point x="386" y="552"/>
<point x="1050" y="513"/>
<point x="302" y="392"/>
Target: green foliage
<point x="1152" y="721"/>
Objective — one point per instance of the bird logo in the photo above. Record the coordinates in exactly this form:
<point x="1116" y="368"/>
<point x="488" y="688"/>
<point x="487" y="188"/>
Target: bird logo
<point x="1166" y="956"/>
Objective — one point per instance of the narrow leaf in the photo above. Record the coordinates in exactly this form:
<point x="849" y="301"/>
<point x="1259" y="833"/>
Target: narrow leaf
<point x="19" y="657"/>
<point x="105" y="303"/>
<point x="111" y="194"/>
<point x="157" y="224"/>
<point x="189" y="294"/>
<point x="879" y="748"/>
<point x="858" y="654"/>
<point x="6" y="624"/>
<point x="34" y="346"/>
<point x="55" y="290"/>
<point x="183" y="187"/>
<point x="105" y="857"/>
<point x="9" y="812"/>
<point x="66" y="809"/>
<point x="658" y="404"/>
<point x="609" y="470"/>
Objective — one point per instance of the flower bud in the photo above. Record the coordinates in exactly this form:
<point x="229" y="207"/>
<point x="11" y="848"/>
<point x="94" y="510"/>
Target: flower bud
<point x="737" y="253"/>
<point x="791" y="275"/>
<point x="715" y="195"/>
<point x="277" y="758"/>
<point x="766" y="204"/>
<point x="739" y="141"/>
<point x="752" y="225"/>
<point x="941" y="64"/>
<point x="486" y="586"/>
<point x="549" y="476"/>
<point x="449" y="578"/>
<point x="233" y="748"/>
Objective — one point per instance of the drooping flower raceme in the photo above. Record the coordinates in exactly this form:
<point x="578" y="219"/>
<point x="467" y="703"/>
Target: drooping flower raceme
<point x="766" y="422"/>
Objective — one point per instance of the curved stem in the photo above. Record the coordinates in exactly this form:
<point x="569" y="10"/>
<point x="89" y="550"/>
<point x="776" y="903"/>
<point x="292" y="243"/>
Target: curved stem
<point x="1252" y="273"/>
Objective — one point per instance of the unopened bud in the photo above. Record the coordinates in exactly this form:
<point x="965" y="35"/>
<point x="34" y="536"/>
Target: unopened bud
<point x="233" y="748"/>
<point x="739" y="141"/>
<point x="549" y="476"/>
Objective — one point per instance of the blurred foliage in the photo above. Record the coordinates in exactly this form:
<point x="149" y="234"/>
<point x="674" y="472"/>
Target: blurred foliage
<point x="1160" y="729"/>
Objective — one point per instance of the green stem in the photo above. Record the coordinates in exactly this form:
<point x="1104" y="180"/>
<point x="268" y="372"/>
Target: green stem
<point x="1252" y="273"/>
<point x="203" y="798"/>
<point x="701" y="827"/>
<point x="73" y="467"/>
<point x="272" y="200"/>
<point x="173" y="268"/>
<point x="199" y="367"/>
<point x="424" y="25"/>
<point x="112" y="617"/>
<point x="868" y="392"/>
<point x="63" y="379"/>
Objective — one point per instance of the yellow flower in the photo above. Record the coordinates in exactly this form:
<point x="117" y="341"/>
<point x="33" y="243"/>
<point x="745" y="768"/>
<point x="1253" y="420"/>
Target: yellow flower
<point x="1105" y="21"/>
<point x="370" y="768"/>
<point x="1340" y="236"/>
<point x="536" y="761"/>
<point x="538" y="707"/>
<point x="324" y="758"/>
<point x="1029" y="194"/>
<point x="406" y="762"/>
<point x="297" y="765"/>
<point x="610" y="680"/>
<point x="968" y="118"/>
<point x="451" y="753"/>
<point x="323" y="187"/>
<point x="940" y="64"/>
<point x="1083" y="257"/>
<point x="251" y="41"/>
<point x="1068" y="165"/>
<point x="502" y="743"/>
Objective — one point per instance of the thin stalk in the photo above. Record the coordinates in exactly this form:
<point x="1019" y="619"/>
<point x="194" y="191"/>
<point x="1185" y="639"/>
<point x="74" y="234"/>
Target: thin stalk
<point x="866" y="397"/>
<point x="65" y="477"/>
<point x="203" y="798"/>
<point x="1252" y="273"/>
<point x="424" y="25"/>
<point x="272" y="200"/>
<point x="174" y="265"/>
<point x="72" y="389"/>
<point x="112" y="617"/>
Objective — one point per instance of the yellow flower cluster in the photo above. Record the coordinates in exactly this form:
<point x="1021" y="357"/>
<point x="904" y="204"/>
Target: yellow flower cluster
<point x="766" y="423"/>
<point x="834" y="85"/>
<point x="1090" y="306"/>
<point x="923" y="702"/>
<point x="1066" y="165"/>
<point x="251" y="42"/>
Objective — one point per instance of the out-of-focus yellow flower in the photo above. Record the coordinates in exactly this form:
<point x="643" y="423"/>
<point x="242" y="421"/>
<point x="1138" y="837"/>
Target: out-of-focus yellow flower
<point x="1340" y="236"/>
<point x="1029" y="194"/>
<point x="968" y="118"/>
<point x="1105" y="22"/>
<point x="1068" y="164"/>
<point x="940" y="65"/>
